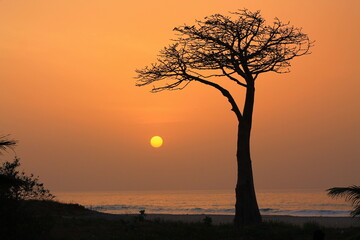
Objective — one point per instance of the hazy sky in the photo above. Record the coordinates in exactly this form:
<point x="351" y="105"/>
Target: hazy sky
<point x="68" y="96"/>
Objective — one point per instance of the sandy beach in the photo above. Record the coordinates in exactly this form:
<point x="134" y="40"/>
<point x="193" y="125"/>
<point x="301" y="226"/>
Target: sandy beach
<point x="336" y="222"/>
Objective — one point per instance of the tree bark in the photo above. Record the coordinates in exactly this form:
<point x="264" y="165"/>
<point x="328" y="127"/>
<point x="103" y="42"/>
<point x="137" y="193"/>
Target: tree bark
<point x="246" y="207"/>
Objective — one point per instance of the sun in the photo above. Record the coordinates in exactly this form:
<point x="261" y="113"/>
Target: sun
<point x="156" y="141"/>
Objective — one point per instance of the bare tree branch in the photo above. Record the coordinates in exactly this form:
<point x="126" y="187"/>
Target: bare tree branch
<point x="222" y="47"/>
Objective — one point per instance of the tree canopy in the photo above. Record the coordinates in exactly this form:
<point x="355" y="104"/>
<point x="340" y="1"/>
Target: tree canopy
<point x="239" y="47"/>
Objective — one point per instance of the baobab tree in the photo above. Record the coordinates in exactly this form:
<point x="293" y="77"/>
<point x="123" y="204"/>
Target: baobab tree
<point x="235" y="48"/>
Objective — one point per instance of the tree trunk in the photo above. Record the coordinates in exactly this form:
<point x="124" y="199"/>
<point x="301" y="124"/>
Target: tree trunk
<point x="246" y="207"/>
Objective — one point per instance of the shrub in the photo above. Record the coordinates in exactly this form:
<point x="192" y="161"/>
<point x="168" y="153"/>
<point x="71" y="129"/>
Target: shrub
<point x="17" y="185"/>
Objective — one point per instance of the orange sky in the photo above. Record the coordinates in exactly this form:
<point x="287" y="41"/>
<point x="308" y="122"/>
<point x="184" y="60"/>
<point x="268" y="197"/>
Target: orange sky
<point x="68" y="96"/>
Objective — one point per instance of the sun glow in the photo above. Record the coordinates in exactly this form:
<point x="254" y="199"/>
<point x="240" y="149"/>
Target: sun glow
<point x="156" y="141"/>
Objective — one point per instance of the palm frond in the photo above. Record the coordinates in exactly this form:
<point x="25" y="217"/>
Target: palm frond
<point x="356" y="211"/>
<point x="351" y="194"/>
<point x="6" y="143"/>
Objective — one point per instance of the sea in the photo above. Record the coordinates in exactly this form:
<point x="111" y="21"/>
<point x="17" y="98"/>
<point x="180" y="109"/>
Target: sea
<point x="271" y="202"/>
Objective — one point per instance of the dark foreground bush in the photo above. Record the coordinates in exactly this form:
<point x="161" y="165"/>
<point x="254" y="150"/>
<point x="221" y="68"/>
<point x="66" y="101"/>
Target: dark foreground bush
<point x="34" y="219"/>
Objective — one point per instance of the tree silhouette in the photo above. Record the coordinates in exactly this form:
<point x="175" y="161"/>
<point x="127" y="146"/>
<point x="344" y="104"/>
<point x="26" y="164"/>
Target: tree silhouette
<point x="15" y="184"/>
<point x="351" y="194"/>
<point x="236" y="48"/>
<point x="18" y="185"/>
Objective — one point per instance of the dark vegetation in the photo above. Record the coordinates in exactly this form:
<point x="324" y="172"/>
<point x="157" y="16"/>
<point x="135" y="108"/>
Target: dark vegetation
<point x="18" y="191"/>
<point x="234" y="49"/>
<point x="351" y="194"/>
<point x="17" y="185"/>
<point x="55" y="221"/>
<point x="33" y="219"/>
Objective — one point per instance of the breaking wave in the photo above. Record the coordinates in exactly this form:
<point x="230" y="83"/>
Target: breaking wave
<point x="133" y="209"/>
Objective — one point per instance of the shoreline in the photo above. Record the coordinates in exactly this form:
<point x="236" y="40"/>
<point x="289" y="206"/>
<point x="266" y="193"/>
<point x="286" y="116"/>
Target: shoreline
<point x="78" y="211"/>
<point x="334" y="222"/>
